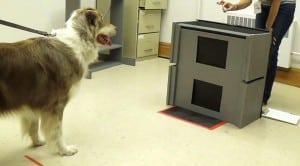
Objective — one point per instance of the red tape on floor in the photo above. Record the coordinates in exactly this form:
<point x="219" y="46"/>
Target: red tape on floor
<point x="33" y="160"/>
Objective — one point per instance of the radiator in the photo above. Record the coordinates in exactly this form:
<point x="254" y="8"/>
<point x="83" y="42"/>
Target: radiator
<point x="285" y="50"/>
<point x="241" y="20"/>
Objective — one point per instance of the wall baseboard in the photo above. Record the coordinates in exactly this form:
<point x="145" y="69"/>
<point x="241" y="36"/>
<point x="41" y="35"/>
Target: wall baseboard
<point x="289" y="76"/>
<point x="295" y="60"/>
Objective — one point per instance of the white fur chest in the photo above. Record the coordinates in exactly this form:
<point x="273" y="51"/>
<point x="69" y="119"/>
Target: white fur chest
<point x="86" y="52"/>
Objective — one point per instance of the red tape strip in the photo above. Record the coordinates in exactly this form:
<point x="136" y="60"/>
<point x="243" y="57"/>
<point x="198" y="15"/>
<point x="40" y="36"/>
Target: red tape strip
<point x="33" y="160"/>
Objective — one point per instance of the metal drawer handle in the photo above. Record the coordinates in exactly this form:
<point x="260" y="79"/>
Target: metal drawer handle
<point x="149" y="26"/>
<point x="156" y="2"/>
<point x="148" y="50"/>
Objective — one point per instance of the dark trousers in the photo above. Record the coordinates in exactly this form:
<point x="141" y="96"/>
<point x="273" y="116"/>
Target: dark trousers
<point x="281" y="25"/>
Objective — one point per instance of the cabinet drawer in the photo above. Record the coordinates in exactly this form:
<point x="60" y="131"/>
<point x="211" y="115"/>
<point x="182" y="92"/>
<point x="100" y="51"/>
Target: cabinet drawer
<point x="154" y="4"/>
<point x="149" y="21"/>
<point x="147" y="44"/>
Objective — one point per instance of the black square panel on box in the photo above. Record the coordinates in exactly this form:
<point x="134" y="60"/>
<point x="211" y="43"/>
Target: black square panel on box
<point x="207" y="95"/>
<point x="212" y="52"/>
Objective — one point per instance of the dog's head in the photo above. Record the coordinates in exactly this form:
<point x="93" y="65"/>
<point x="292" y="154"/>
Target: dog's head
<point x="89" y="25"/>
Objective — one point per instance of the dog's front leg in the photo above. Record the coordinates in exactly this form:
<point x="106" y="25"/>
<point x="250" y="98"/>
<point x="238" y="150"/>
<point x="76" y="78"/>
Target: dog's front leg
<point x="51" y="124"/>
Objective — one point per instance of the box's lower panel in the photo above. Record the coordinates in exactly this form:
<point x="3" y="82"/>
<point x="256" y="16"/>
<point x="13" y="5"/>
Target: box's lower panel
<point x="239" y="105"/>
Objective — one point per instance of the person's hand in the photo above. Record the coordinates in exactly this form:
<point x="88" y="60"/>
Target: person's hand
<point x="227" y="6"/>
<point x="269" y="29"/>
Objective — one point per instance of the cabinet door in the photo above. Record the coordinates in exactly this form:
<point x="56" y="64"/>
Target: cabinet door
<point x="149" y="21"/>
<point x="147" y="44"/>
<point x="154" y="4"/>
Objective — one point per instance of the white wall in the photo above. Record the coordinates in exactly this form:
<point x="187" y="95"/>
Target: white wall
<point x="296" y="45"/>
<point x="37" y="14"/>
<point x="178" y="10"/>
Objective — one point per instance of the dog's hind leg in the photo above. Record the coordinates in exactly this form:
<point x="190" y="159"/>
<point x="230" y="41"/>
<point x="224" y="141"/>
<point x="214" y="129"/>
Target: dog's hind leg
<point x="30" y="126"/>
<point x="51" y="125"/>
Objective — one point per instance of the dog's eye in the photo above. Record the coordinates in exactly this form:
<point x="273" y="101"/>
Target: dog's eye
<point x="91" y="18"/>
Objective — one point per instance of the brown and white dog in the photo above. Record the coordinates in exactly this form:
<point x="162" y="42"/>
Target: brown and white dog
<point x="37" y="75"/>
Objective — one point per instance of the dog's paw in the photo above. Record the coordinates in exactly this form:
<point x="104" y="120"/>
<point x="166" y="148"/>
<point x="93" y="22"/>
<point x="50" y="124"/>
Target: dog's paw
<point x="68" y="151"/>
<point x="38" y="143"/>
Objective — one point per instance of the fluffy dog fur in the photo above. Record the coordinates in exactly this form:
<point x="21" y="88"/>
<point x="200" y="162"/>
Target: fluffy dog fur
<point x="38" y="74"/>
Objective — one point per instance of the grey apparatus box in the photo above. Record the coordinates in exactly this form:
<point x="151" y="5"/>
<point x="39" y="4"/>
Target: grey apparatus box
<point x="218" y="70"/>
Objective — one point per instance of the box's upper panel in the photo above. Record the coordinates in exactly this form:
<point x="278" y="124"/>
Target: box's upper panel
<point x="240" y="31"/>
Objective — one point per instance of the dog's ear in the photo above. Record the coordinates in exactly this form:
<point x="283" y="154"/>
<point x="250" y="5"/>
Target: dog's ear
<point x="91" y="17"/>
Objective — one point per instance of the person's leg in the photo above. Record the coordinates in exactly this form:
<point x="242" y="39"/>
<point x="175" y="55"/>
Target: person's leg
<point x="261" y="18"/>
<point x="281" y="25"/>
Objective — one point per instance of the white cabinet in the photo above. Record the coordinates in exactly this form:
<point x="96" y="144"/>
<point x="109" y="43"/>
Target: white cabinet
<point x="147" y="44"/>
<point x="142" y="24"/>
<point x="149" y="21"/>
<point x="153" y="4"/>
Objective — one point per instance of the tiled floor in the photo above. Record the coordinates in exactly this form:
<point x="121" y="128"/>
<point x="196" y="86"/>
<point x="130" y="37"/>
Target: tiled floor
<point x="114" y="122"/>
